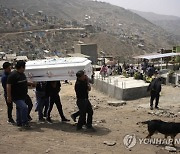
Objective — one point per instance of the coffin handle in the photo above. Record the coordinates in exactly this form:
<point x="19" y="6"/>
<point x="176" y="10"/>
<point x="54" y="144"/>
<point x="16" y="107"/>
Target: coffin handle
<point x="49" y="73"/>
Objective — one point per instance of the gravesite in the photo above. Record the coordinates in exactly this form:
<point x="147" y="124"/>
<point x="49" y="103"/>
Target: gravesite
<point x="89" y="77"/>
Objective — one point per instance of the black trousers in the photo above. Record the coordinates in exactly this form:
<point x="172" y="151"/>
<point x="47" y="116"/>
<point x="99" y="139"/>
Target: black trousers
<point x="85" y="107"/>
<point x="154" y="95"/>
<point x="76" y="114"/>
<point x="46" y="109"/>
<point x="29" y="103"/>
<point x="55" y="99"/>
<point x="9" y="108"/>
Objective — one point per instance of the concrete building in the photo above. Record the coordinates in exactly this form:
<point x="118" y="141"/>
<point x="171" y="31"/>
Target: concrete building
<point x="89" y="50"/>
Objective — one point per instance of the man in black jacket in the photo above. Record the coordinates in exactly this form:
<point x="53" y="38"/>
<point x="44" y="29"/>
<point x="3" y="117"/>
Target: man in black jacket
<point x="155" y="89"/>
<point x="82" y="88"/>
<point x="88" y="80"/>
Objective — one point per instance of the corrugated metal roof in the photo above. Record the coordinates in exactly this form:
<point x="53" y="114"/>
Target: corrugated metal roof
<point x="156" y="56"/>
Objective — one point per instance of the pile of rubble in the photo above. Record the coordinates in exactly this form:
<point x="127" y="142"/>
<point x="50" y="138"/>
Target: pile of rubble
<point x="163" y="113"/>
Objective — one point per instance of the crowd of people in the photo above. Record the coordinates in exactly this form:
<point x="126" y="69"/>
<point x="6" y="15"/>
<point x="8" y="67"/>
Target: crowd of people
<point x="130" y="69"/>
<point x="144" y="69"/>
<point x="15" y="86"/>
<point x="106" y="71"/>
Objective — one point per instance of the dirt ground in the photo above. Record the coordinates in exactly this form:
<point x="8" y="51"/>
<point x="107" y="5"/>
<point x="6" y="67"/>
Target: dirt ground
<point x="112" y="124"/>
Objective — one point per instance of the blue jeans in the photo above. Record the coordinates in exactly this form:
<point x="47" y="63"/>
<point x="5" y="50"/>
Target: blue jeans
<point x="42" y="103"/>
<point x="21" y="112"/>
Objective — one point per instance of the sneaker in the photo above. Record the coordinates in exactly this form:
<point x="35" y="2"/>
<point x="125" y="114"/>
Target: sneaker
<point x="151" y="108"/>
<point x="73" y="117"/>
<point x="11" y="121"/>
<point x="49" y="120"/>
<point x="156" y="107"/>
<point x="65" y="120"/>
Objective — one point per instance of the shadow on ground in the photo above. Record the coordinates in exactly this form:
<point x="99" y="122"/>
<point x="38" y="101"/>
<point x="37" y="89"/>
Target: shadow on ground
<point x="65" y="127"/>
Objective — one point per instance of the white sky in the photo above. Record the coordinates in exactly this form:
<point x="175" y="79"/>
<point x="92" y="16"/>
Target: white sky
<point x="166" y="7"/>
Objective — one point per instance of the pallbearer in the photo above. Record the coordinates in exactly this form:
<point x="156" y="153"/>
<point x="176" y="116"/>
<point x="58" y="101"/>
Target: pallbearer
<point x="82" y="88"/>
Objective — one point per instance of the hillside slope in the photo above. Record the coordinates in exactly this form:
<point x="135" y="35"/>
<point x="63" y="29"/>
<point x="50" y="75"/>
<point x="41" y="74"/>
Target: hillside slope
<point x="169" y="23"/>
<point x="130" y="34"/>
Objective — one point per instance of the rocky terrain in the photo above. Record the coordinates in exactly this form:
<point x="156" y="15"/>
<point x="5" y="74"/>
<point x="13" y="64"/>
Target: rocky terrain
<point x="32" y="34"/>
<point x="13" y="20"/>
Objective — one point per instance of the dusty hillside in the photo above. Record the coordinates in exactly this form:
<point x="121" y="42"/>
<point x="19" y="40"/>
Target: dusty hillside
<point x="169" y="23"/>
<point x="138" y="34"/>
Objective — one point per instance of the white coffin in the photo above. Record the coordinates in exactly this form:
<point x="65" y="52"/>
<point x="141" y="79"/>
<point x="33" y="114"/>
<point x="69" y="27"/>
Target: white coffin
<point x="57" y="69"/>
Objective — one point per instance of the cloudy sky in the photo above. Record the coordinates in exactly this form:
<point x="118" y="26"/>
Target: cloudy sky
<point x="167" y="7"/>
